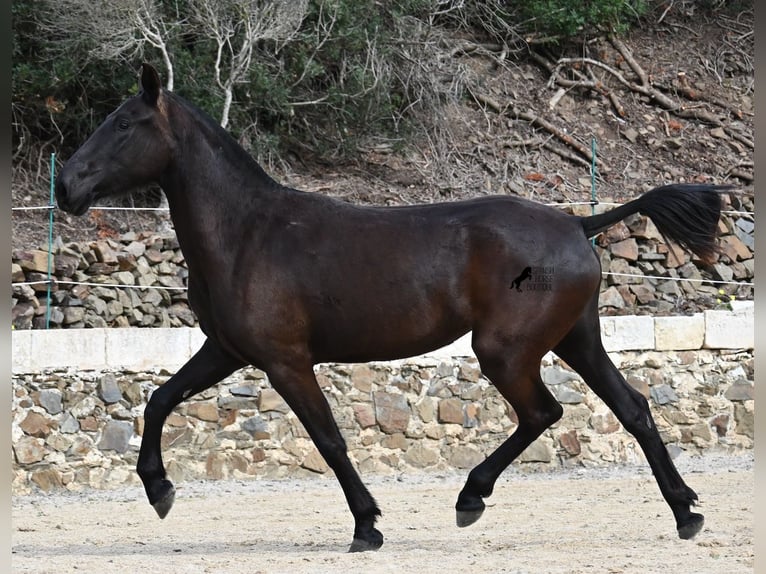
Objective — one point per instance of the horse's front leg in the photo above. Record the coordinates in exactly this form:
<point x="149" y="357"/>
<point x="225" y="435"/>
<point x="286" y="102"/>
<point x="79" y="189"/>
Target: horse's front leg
<point x="207" y="367"/>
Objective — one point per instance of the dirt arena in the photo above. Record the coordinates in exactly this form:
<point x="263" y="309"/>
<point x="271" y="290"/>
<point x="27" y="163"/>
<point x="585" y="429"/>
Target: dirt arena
<point x="606" y="520"/>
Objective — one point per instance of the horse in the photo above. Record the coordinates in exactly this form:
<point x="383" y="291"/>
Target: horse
<point x="283" y="279"/>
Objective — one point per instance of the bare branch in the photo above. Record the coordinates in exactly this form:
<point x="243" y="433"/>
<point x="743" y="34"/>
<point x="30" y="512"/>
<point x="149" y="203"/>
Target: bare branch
<point x="236" y="26"/>
<point x="112" y="30"/>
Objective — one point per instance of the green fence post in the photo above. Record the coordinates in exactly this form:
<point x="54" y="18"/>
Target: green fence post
<point x="593" y="181"/>
<point x="50" y="243"/>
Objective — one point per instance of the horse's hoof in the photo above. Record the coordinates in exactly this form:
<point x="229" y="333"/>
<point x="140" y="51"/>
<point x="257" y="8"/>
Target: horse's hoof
<point x="692" y="526"/>
<point x="364" y="545"/>
<point x="163" y="505"/>
<point x="468" y="517"/>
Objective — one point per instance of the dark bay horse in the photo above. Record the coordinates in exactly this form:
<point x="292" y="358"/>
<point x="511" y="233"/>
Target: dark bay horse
<point x="283" y="279"/>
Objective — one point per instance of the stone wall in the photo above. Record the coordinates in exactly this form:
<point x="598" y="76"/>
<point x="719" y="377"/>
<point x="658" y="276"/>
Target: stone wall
<point x="75" y="428"/>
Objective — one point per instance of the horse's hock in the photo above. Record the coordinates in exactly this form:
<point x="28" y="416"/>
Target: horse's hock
<point x="75" y="428"/>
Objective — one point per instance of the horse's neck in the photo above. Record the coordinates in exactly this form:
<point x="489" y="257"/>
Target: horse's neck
<point x="215" y="191"/>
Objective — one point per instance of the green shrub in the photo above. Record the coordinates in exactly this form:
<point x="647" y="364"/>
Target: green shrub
<point x="564" y="19"/>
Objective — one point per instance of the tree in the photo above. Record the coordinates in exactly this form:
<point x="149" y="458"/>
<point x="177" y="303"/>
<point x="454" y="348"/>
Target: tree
<point x="235" y="27"/>
<point x="114" y="31"/>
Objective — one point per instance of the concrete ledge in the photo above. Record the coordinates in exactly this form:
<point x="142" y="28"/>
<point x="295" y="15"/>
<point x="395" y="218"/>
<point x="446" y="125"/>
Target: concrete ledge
<point x="679" y="333"/>
<point x="733" y="329"/>
<point x="632" y="333"/>
<point x="148" y="348"/>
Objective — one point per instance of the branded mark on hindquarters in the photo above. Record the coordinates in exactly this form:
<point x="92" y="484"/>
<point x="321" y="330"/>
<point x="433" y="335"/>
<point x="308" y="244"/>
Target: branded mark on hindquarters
<point x="533" y="278"/>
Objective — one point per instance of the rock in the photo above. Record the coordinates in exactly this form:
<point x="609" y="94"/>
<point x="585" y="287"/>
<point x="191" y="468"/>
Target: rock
<point x="627" y="249"/>
<point x="104" y="253"/>
<point x="566" y="395"/>
<point x="136" y="248"/>
<point x="741" y="390"/>
<point x="450" y="411"/>
<point x="17" y="273"/>
<point x="314" y="462"/>
<point x="420" y="455"/>
<point x="734" y="248"/>
<point x="469" y="371"/>
<point x="723" y="272"/>
<point x="32" y="260"/>
<point x="83" y="406"/>
<point x="630" y="134"/>
<point x="643" y="293"/>
<point x="47" y="479"/>
<point x="746" y="238"/>
<point x="215" y="466"/>
<point x="270" y="400"/>
<point x="539" y="451"/>
<point x="604" y="423"/>
<point x="556" y="375"/>
<point x="68" y="424"/>
<point x="392" y="412"/>
<point x="364" y="415"/>
<point x="28" y="450"/>
<point x="640" y="384"/>
<point x="426" y="409"/>
<point x="245" y="391"/>
<point x="663" y="394"/>
<point x="471" y="415"/>
<point x="204" y="411"/>
<point x="721" y="424"/>
<point x="50" y="400"/>
<point x="611" y="298"/>
<point x="116" y="436"/>
<point x="73" y="315"/>
<point x="570" y="443"/>
<point x="465" y="457"/>
<point x="183" y="313"/>
<point x="745" y="421"/>
<point x="473" y="392"/>
<point x="618" y="232"/>
<point x="65" y="265"/>
<point x="36" y="425"/>
<point x="108" y="389"/>
<point x="124" y="278"/>
<point x="395" y="441"/>
<point x="645" y="229"/>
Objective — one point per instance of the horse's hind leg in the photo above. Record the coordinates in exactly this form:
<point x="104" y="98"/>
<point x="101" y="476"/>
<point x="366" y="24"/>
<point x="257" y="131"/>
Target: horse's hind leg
<point x="516" y="374"/>
<point x="582" y="349"/>
<point x="207" y="367"/>
<point x="298" y="386"/>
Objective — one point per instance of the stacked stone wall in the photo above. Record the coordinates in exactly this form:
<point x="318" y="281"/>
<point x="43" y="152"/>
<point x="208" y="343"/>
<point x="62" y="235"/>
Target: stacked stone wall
<point x="75" y="429"/>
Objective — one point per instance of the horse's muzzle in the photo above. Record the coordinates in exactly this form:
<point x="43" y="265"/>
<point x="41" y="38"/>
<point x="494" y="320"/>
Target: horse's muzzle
<point x="68" y="201"/>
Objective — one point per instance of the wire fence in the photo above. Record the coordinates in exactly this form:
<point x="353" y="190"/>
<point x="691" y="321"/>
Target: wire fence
<point x="50" y="281"/>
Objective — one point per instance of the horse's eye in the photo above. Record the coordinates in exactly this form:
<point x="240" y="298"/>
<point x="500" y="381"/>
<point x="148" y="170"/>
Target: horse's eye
<point x="123" y="124"/>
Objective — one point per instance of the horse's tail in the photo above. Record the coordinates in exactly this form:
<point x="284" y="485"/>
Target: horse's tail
<point x="685" y="213"/>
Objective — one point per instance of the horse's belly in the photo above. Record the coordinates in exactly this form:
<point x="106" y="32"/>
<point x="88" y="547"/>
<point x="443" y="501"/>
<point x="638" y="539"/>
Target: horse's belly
<point x="387" y="327"/>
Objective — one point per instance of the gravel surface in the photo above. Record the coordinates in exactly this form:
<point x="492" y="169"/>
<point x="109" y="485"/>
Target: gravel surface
<point x="605" y="520"/>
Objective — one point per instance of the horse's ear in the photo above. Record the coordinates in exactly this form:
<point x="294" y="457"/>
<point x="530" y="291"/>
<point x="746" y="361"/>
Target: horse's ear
<point x="150" y="84"/>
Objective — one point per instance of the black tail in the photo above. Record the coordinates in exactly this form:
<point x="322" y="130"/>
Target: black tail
<point x="685" y="213"/>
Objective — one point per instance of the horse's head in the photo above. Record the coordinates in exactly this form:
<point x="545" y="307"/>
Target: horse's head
<point x="130" y="149"/>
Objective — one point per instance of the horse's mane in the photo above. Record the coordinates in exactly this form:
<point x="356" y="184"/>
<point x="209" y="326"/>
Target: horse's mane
<point x="222" y="137"/>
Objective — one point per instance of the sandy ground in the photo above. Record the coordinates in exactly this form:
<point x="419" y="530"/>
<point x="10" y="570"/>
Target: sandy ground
<point x="610" y="520"/>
